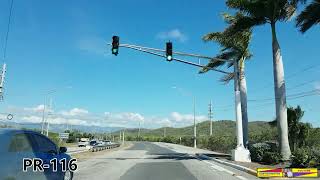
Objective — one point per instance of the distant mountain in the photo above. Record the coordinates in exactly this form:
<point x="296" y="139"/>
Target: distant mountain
<point x="222" y="127"/>
<point x="62" y="127"/>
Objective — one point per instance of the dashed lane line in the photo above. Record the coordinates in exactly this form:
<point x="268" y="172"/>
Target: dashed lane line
<point x="241" y="177"/>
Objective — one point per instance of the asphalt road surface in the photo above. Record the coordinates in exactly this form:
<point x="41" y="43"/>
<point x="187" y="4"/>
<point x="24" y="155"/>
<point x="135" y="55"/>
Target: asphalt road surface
<point x="155" y="161"/>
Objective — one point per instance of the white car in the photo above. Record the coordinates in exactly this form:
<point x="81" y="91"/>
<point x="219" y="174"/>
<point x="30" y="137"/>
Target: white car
<point x="83" y="143"/>
<point x="107" y="142"/>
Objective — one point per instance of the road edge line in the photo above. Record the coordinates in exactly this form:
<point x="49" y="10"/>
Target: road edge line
<point x="236" y="166"/>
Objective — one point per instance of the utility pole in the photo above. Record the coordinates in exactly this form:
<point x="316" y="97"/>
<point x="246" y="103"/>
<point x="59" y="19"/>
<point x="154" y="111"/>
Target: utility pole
<point x="194" y="124"/>
<point x="139" y="131"/>
<point x="3" y="73"/>
<point x="43" y="115"/>
<point x="50" y="113"/>
<point x="123" y="137"/>
<point x="119" y="136"/>
<point x="210" y="117"/>
<point x="164" y="131"/>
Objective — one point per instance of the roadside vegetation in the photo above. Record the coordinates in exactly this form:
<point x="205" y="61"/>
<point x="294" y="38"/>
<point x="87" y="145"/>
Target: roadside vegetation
<point x="263" y="139"/>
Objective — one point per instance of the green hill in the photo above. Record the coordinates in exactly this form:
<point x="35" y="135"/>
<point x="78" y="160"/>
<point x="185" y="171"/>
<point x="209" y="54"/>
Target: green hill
<point x="220" y="128"/>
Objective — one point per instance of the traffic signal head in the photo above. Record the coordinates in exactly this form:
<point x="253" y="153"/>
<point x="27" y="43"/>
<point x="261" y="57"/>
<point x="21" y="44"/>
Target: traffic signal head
<point x="115" y="45"/>
<point x="169" y="51"/>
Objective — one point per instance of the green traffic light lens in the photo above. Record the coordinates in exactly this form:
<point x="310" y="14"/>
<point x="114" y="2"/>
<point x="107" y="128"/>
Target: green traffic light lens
<point x="114" y="50"/>
<point x="169" y="58"/>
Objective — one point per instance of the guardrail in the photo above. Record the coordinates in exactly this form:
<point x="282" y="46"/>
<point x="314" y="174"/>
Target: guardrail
<point x="104" y="147"/>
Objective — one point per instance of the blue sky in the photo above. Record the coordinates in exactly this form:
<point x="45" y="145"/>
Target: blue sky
<point x="62" y="45"/>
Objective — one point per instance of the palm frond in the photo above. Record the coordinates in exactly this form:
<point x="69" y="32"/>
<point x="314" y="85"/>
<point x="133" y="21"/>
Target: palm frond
<point x="244" y="23"/>
<point x="253" y="8"/>
<point x="242" y="5"/>
<point x="227" y="78"/>
<point x="216" y="36"/>
<point x="234" y="42"/>
<point x="309" y="17"/>
<point x="290" y="8"/>
<point x="216" y="63"/>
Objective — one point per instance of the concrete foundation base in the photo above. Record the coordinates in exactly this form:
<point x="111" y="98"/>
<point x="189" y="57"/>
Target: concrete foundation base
<point x="241" y="154"/>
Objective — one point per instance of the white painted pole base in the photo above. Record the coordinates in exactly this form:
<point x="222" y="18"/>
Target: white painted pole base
<point x="241" y="154"/>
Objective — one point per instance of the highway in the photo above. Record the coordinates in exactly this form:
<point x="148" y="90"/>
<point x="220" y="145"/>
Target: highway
<point x="155" y="161"/>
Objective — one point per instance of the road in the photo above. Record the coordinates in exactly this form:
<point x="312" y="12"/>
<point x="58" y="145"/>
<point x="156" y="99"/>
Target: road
<point x="73" y="150"/>
<point x="155" y="161"/>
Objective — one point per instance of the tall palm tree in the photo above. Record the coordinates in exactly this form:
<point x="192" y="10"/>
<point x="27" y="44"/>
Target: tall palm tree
<point x="260" y="12"/>
<point x="309" y="17"/>
<point x="235" y="46"/>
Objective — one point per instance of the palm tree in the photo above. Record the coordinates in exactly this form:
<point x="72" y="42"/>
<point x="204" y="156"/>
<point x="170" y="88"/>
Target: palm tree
<point x="260" y="12"/>
<point x="235" y="46"/>
<point x="309" y="17"/>
<point x="298" y="131"/>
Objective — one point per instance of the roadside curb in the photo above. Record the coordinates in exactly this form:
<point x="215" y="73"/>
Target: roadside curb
<point x="236" y="166"/>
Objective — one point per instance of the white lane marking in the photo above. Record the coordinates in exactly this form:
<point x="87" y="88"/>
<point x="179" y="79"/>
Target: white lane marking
<point x="219" y="168"/>
<point x="214" y="168"/>
<point x="241" y="177"/>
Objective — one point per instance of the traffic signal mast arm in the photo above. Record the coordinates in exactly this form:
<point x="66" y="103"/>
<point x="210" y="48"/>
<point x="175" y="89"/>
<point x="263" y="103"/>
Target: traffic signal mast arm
<point x="150" y="51"/>
<point x="177" y="53"/>
<point x="240" y="153"/>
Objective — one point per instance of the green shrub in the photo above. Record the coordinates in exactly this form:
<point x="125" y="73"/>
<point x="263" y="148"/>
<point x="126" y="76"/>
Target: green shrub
<point x="300" y="158"/>
<point x="305" y="157"/>
<point x="187" y="141"/>
<point x="202" y="142"/>
<point x="258" y="150"/>
<point x="271" y="157"/>
<point x="221" y="143"/>
<point x="168" y="139"/>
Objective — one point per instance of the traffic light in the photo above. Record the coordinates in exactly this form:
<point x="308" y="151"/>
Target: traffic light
<point x="115" y="45"/>
<point x="169" y="51"/>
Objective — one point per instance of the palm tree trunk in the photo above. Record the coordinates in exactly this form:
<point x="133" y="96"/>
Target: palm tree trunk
<point x="243" y="94"/>
<point x="280" y="97"/>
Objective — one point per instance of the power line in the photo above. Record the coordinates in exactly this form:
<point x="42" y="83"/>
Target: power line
<point x="302" y="70"/>
<point x="314" y="92"/>
<point x="302" y="84"/>
<point x="290" y="76"/>
<point x="8" y="30"/>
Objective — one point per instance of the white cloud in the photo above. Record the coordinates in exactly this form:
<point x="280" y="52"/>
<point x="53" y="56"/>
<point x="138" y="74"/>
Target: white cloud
<point x="317" y="86"/>
<point x="80" y="116"/>
<point x="38" y="108"/>
<point x="132" y="116"/>
<point x="172" y="34"/>
<point x="177" y="117"/>
<point x="75" y="112"/>
<point x="3" y="117"/>
<point x="32" y="119"/>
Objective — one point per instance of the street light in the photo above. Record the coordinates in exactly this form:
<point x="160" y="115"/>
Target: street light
<point x="194" y="115"/>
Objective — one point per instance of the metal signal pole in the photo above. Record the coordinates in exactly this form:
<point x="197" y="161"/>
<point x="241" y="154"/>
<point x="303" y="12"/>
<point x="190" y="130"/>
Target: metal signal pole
<point x="194" y="124"/>
<point x="239" y="153"/>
